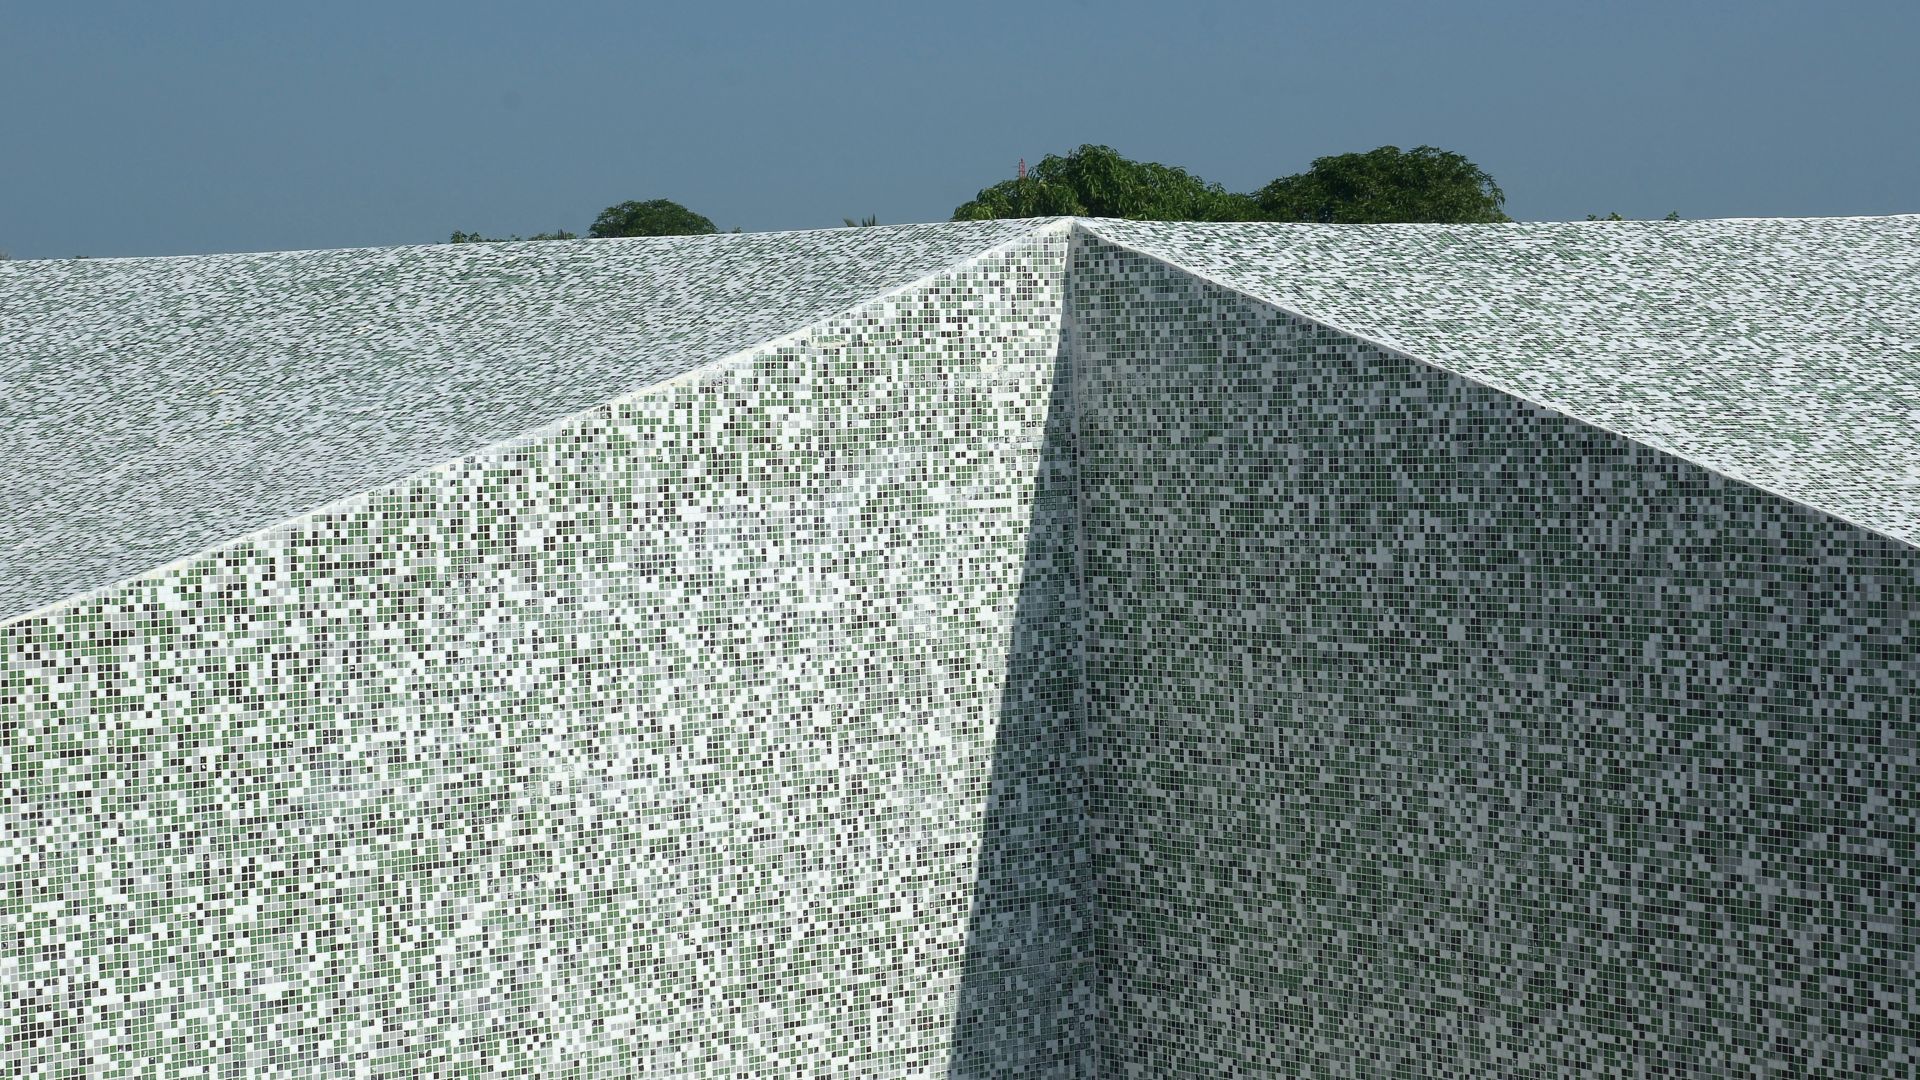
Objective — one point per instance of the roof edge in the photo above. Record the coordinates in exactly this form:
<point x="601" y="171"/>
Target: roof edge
<point x="97" y="260"/>
<point x="1042" y="227"/>
<point x="1088" y="227"/>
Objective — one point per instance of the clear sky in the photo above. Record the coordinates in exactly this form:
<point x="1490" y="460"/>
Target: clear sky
<point x="162" y="128"/>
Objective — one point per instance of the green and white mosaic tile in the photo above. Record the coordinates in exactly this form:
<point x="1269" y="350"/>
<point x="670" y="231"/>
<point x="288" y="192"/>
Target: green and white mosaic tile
<point x="1437" y="734"/>
<point x="1782" y="352"/>
<point x="153" y="408"/>
<point x="988" y="650"/>
<point x="659" y="744"/>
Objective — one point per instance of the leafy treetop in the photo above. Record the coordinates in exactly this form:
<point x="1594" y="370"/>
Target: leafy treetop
<point x="1387" y="184"/>
<point x="655" y="217"/>
<point x="1095" y="181"/>
<point x="476" y="238"/>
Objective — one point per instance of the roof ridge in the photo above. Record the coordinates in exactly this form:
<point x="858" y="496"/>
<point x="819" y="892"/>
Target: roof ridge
<point x="542" y="431"/>
<point x="1093" y="221"/>
<point x="19" y="264"/>
<point x="1386" y="344"/>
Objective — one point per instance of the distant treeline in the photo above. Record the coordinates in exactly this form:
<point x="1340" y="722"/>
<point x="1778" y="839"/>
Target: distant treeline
<point x="1380" y="185"/>
<point x="1425" y="183"/>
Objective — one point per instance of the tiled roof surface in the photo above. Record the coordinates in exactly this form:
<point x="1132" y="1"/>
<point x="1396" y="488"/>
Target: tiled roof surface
<point x="1782" y="352"/>
<point x="151" y="408"/>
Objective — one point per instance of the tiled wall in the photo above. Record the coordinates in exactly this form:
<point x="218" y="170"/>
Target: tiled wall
<point x="738" y="729"/>
<point x="660" y="745"/>
<point x="1437" y="735"/>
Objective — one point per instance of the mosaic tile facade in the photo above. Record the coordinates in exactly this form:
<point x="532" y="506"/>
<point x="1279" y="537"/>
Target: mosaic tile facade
<point x="152" y="408"/>
<point x="1080" y="650"/>
<point x="1779" y="351"/>
<point x="662" y="744"/>
<point x="1436" y="734"/>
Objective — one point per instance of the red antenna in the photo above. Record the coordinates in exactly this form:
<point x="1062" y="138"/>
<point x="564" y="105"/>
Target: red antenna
<point x="1023" y="168"/>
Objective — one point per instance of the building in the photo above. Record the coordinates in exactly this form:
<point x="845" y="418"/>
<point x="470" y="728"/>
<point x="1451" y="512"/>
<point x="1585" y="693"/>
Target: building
<point x="1060" y="648"/>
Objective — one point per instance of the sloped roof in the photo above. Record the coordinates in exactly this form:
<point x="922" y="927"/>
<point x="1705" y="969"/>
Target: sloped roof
<point x="152" y="408"/>
<point x="1784" y="352"/>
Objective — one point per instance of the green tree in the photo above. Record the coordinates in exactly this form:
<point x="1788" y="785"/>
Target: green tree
<point x="1095" y="181"/>
<point x="1027" y="197"/>
<point x="1387" y="184"/>
<point x="655" y="217"/>
<point x="867" y="222"/>
<point x="476" y="238"/>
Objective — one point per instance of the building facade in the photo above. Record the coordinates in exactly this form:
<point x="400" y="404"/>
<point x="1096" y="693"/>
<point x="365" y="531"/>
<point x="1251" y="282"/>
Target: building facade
<point x="1045" y="649"/>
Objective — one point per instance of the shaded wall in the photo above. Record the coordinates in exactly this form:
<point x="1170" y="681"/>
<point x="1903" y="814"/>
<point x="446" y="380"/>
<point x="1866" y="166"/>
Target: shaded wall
<point x="1215" y="696"/>
<point x="1026" y="997"/>
<point x="658" y="745"/>
<point x="1437" y="735"/>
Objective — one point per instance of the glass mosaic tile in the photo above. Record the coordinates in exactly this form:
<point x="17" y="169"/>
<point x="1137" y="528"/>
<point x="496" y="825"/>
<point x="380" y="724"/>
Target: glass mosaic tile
<point x="1021" y="649"/>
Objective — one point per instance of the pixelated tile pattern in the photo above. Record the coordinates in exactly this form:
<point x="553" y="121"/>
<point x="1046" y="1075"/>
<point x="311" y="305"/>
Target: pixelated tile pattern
<point x="1438" y="735"/>
<point x="1783" y="352"/>
<point x="969" y="685"/>
<point x="151" y="408"/>
<point x="662" y="745"/>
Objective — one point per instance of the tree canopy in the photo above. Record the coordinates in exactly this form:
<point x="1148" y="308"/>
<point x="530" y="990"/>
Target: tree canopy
<point x="1387" y="184"/>
<point x="655" y="217"/>
<point x="1095" y="181"/>
<point x="1384" y="184"/>
<point x="475" y="238"/>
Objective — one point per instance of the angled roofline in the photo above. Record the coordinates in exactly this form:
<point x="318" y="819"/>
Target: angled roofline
<point x="1042" y="227"/>
<point x="1387" y="345"/>
<point x="1071" y="226"/>
<point x="429" y="245"/>
<point x="1089" y="223"/>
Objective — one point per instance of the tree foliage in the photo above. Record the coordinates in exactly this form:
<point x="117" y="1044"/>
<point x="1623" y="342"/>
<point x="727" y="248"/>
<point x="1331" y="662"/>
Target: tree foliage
<point x="655" y="217"/>
<point x="476" y="238"/>
<point x="1095" y="181"/>
<point x="1386" y="184"/>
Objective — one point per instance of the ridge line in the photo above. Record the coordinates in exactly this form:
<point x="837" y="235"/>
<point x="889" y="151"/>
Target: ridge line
<point x="545" y="430"/>
<point x="1388" y="345"/>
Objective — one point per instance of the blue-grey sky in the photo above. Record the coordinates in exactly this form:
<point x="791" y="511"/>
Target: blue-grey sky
<point x="145" y="128"/>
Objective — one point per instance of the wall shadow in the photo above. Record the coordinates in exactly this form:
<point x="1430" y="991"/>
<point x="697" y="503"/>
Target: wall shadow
<point x="1025" y="989"/>
<point x="1435" y="734"/>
